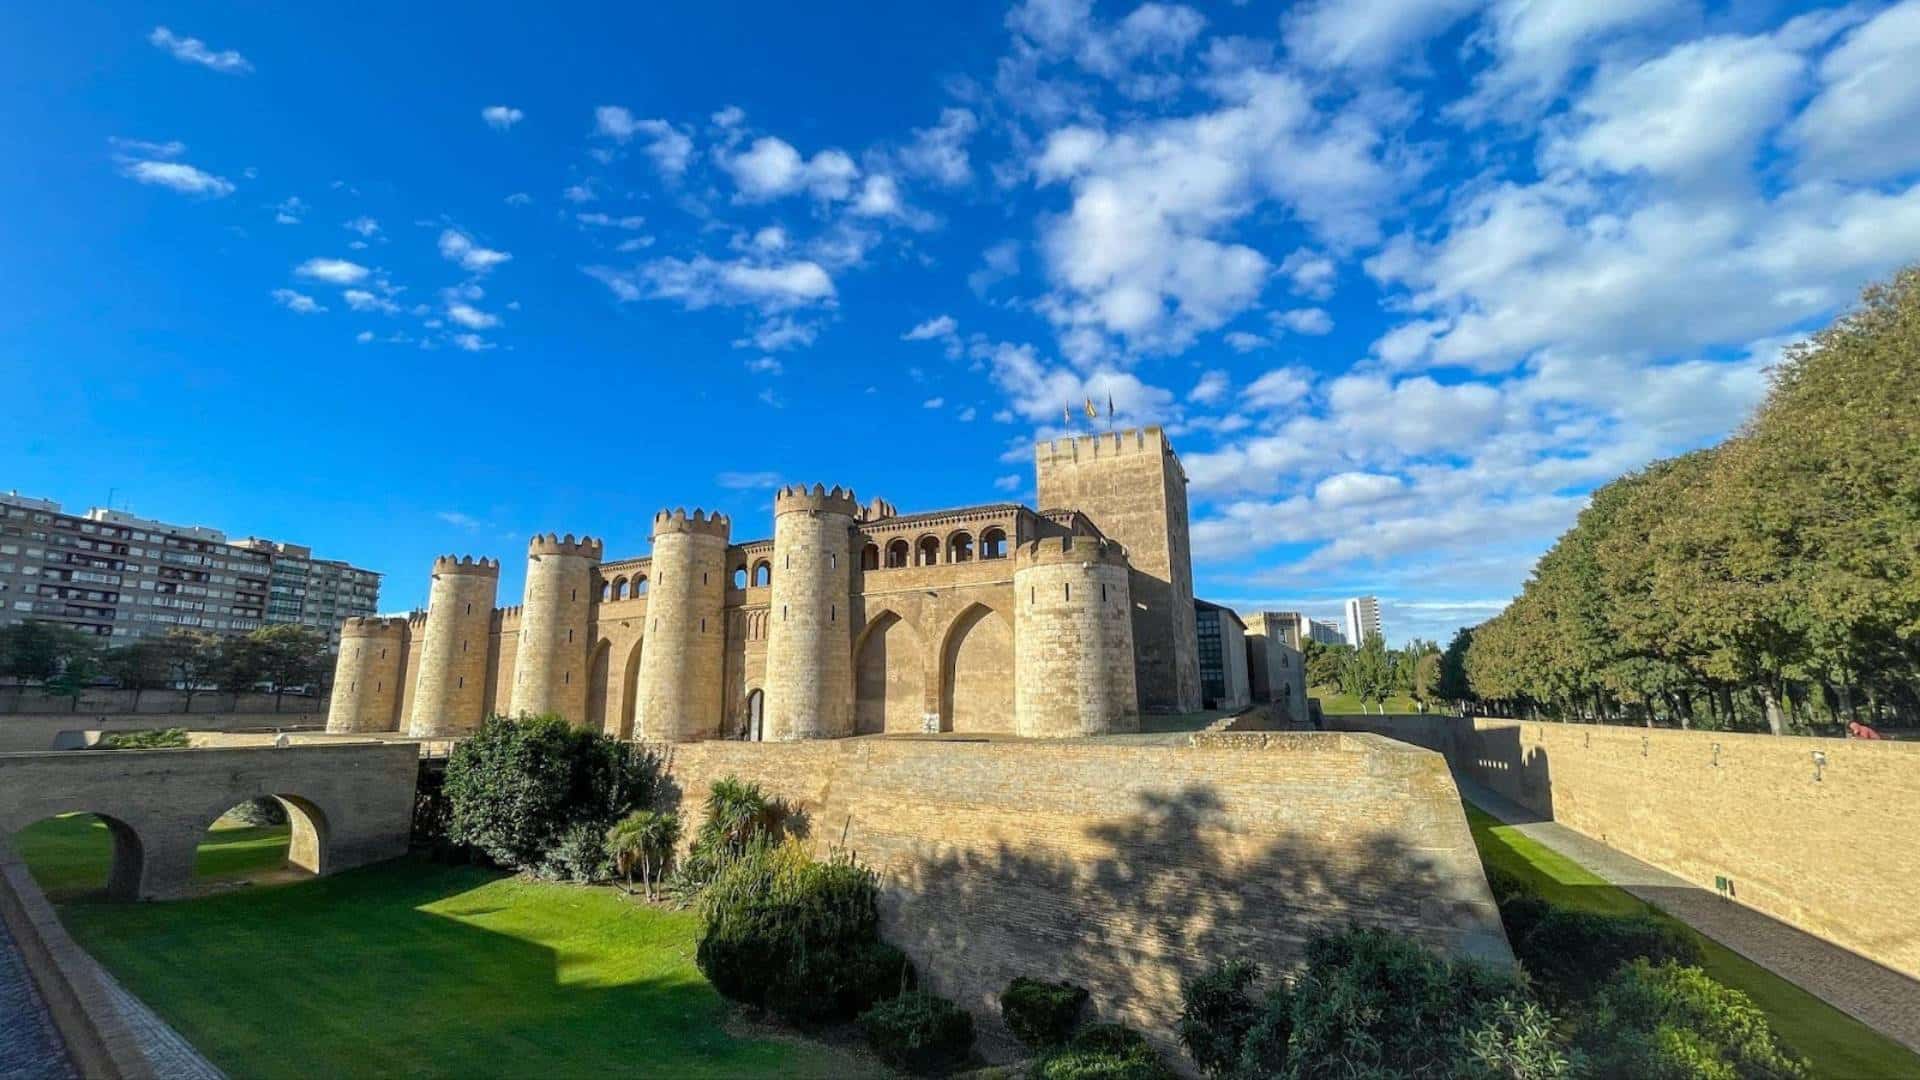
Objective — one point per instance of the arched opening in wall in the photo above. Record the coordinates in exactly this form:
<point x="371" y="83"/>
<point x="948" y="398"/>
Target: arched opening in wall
<point x="606" y="591"/>
<point x="960" y="547"/>
<point x="870" y="557"/>
<point x="993" y="544"/>
<point x="74" y="855"/>
<point x="889" y="685"/>
<point x="629" y="727"/>
<point x="619" y="588"/>
<point x="638" y="588"/>
<point x="271" y="839"/>
<point x="756" y="730"/>
<point x="762" y="573"/>
<point x="597" y="686"/>
<point x="927" y="551"/>
<point x="976" y="673"/>
<point x="898" y="552"/>
<point x="740" y="576"/>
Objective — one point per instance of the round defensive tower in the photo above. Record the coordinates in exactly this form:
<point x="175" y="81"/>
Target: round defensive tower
<point x="1072" y="639"/>
<point x="555" y="647"/>
<point x="366" y="677"/>
<point x="450" y="693"/>
<point x="809" y="681"/>
<point x="683" y="650"/>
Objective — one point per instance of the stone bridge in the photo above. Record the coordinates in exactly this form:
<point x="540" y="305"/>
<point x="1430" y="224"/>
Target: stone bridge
<point x="348" y="804"/>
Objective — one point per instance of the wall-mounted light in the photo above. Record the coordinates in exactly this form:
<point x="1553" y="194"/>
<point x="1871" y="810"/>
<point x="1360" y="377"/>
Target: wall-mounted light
<point x="1819" y="764"/>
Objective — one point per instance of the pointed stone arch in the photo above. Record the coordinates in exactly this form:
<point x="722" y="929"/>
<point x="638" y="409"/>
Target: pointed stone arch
<point x="889" y="676"/>
<point x="597" y="685"/>
<point x="629" y="724"/>
<point x="976" y="672"/>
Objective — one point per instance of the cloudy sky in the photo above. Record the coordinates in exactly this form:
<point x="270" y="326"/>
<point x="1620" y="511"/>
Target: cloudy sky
<point x="1404" y="279"/>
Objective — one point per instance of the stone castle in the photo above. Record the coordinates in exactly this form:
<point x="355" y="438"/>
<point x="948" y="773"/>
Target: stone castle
<point x="853" y="619"/>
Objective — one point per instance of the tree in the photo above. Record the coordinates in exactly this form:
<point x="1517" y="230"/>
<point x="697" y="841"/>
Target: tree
<point x="39" y="651"/>
<point x="197" y="658"/>
<point x="1368" y="674"/>
<point x="280" y="657"/>
<point x="1324" y="662"/>
<point x="643" y="839"/>
<point x="139" y="666"/>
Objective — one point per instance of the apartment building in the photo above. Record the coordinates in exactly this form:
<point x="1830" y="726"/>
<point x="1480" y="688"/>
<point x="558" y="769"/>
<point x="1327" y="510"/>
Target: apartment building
<point x="116" y="575"/>
<point x="1363" y="620"/>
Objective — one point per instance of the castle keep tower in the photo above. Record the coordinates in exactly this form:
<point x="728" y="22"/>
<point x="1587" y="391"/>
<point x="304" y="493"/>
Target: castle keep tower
<point x="450" y="693"/>
<point x="809" y="681"/>
<point x="1132" y="486"/>
<point x="367" y="676"/>
<point x="683" y="650"/>
<point x="550" y="666"/>
<point x="1073" y="660"/>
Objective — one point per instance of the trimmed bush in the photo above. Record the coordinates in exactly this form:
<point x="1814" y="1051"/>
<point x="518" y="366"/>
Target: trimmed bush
<point x="1103" y="1052"/>
<point x="1671" y="1022"/>
<point x="1042" y="1014"/>
<point x="1218" y="1014"/>
<point x="919" y="1032"/>
<point x="798" y="936"/>
<point x="1571" y="953"/>
<point x="162" y="739"/>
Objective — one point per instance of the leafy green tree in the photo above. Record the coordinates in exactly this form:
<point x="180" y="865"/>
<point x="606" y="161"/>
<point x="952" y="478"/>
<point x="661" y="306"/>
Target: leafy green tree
<point x="1369" y="672"/>
<point x="1324" y="663"/>
<point x="643" y="840"/>
<point x="196" y="658"/>
<point x="283" y="657"/>
<point x="39" y="652"/>
<point x="139" y="666"/>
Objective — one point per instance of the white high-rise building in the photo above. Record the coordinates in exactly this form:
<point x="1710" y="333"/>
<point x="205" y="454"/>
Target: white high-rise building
<point x="1363" y="619"/>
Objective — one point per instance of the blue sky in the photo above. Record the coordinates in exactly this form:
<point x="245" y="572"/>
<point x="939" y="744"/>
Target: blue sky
<point x="1404" y="279"/>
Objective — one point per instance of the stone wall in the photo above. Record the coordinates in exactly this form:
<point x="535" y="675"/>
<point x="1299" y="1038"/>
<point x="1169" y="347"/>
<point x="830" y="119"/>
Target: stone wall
<point x="1826" y="845"/>
<point x="1126" y="867"/>
<point x="99" y="701"/>
<point x="20" y="734"/>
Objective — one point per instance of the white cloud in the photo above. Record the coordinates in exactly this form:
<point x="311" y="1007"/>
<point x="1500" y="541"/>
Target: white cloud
<point x="1862" y="124"/>
<point x="940" y="326"/>
<point x="933" y="403"/>
<point x="299" y="303"/>
<point x="362" y="300"/>
<point x="471" y="342"/>
<point x="1211" y="388"/>
<point x="771" y="168"/>
<point x="364" y="337"/>
<point x="1536" y="46"/>
<point x="1242" y="342"/>
<point x="332" y="271"/>
<point x="1363" y="34"/>
<point x="1312" y="321"/>
<point x="518" y="198"/>
<point x="703" y="282"/>
<point x="501" y="117"/>
<point x="940" y="152"/>
<point x="998" y="263"/>
<point x="578" y="193"/>
<point x="779" y="333"/>
<point x="1010" y="482"/>
<point x="737" y="481"/>
<point x="669" y="148"/>
<point x="458" y="519"/>
<point x="765" y="365"/>
<point x="178" y="176"/>
<point x="1355" y="489"/>
<point x="290" y="211"/>
<point x="365" y="226"/>
<point x="194" y="51"/>
<point x="471" y="317"/>
<point x="1277" y="388"/>
<point x="628" y="222"/>
<point x="1310" y="273"/>
<point x="458" y="247"/>
<point x="1038" y="392"/>
<point x="1137" y="54"/>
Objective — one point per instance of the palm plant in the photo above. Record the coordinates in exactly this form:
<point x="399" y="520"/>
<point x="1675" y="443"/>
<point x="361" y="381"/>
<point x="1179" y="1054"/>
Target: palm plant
<point x="738" y="810"/>
<point x="643" y="839"/>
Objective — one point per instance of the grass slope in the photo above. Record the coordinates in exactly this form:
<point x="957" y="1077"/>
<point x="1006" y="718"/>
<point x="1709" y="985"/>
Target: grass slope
<point x="1335" y="703"/>
<point x="1836" y="1044"/>
<point x="410" y="968"/>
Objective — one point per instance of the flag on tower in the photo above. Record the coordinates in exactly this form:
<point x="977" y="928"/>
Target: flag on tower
<point x="1092" y="413"/>
<point x="1109" y="407"/>
<point x="1066" y="416"/>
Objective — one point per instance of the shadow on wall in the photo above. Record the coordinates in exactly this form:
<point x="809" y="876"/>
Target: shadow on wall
<point x="1494" y="758"/>
<point x="1131" y="907"/>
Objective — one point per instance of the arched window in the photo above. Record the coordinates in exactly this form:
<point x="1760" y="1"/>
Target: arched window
<point x="619" y="588"/>
<point x="898" y="553"/>
<point x="993" y="544"/>
<point x="606" y="591"/>
<point x="870" y="557"/>
<point x="639" y="586"/>
<point x="762" y="573"/>
<point x="927" y="552"/>
<point x="740" y="577"/>
<point x="960" y="547"/>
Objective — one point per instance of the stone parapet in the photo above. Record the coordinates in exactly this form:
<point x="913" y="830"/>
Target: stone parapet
<point x="678" y="520"/>
<point x="798" y="498"/>
<point x="553" y="544"/>
<point x="466" y="564"/>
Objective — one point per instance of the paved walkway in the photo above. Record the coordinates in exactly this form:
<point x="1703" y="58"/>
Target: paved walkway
<point x="29" y="1045"/>
<point x="1878" y="997"/>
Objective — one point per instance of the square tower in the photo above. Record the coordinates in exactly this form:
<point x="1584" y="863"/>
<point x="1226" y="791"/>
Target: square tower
<point x="1132" y="486"/>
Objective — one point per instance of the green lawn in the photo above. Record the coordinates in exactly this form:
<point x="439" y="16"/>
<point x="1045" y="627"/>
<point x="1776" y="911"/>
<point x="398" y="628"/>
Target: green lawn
<point x="417" y="969"/>
<point x="1335" y="703"/>
<point x="69" y="855"/>
<point x="1837" y="1045"/>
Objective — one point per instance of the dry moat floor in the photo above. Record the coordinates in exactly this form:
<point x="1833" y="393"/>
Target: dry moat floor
<point x="418" y="969"/>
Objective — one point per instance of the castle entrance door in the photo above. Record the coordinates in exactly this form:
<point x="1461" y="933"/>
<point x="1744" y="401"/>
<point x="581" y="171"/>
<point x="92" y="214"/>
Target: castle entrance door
<point x="756" y="708"/>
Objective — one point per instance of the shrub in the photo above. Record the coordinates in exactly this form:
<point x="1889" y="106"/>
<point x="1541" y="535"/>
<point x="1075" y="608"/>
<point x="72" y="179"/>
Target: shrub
<point x="1040" y="1013"/>
<point x="1510" y="1040"/>
<point x="798" y="936"/>
<point x="1103" y="1052"/>
<point x="1506" y="885"/>
<point x="738" y="814"/>
<point x="581" y="855"/>
<point x="1669" y="1022"/>
<point x="515" y="787"/>
<point x="919" y="1032"/>
<point x="643" y="840"/>
<point x="261" y="812"/>
<point x="162" y="739"/>
<point x="1217" y="1015"/>
<point x="1572" y="952"/>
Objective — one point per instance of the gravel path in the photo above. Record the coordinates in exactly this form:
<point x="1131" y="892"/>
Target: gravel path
<point x="29" y="1045"/>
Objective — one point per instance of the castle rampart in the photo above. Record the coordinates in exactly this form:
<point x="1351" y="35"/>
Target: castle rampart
<point x="450" y="691"/>
<point x="550" y="666"/>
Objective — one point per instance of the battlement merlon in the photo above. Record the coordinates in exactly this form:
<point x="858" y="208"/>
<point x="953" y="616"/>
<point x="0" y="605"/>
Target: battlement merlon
<point x="799" y="498"/>
<point x="553" y="544"/>
<point x="373" y="626"/>
<point x="678" y="520"/>
<point x="1070" y="549"/>
<point x="466" y="564"/>
<point x="1111" y="444"/>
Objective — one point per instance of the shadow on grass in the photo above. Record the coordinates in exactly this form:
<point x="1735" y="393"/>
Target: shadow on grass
<point x="417" y="968"/>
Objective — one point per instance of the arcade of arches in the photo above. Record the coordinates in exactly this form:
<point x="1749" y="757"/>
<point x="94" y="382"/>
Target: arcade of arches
<point x="958" y="680"/>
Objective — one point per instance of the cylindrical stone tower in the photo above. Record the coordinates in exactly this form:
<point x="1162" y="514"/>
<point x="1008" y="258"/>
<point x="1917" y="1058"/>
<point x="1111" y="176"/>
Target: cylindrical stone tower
<point x="550" y="666"/>
<point x="1072" y="639"/>
<point x="809" y="681"/>
<point x="450" y="693"/>
<point x="366" y="677"/>
<point x="684" y="648"/>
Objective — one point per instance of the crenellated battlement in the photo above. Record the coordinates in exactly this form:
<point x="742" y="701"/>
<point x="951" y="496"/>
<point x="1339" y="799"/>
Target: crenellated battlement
<point x="1071" y="549"/>
<point x="1111" y="444"/>
<point x="678" y="520"/>
<point x="416" y="620"/>
<point x="503" y="615"/>
<point x="553" y="544"/>
<point x="466" y="564"/>
<point x="818" y="499"/>
<point x="375" y="626"/>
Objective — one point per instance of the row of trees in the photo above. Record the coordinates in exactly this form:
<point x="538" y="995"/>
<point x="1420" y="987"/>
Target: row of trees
<point x="1770" y="581"/>
<point x="1374" y="673"/>
<point x="66" y="661"/>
